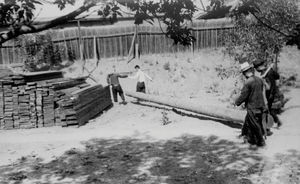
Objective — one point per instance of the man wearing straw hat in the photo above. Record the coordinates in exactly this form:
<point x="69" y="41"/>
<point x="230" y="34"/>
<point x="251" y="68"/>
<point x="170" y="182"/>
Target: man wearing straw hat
<point x="252" y="96"/>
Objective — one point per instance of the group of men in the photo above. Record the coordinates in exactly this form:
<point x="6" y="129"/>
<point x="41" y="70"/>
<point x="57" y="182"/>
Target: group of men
<point x="113" y="81"/>
<point x="258" y="94"/>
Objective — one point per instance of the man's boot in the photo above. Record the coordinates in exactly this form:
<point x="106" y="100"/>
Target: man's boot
<point x="269" y="132"/>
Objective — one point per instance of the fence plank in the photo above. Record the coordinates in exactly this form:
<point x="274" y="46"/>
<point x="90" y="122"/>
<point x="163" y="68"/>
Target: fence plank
<point x="115" y="42"/>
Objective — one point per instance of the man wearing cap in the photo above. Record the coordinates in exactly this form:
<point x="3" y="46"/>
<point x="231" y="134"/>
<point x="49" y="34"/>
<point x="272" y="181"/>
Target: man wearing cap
<point x="270" y="75"/>
<point x="113" y="81"/>
<point x="252" y="96"/>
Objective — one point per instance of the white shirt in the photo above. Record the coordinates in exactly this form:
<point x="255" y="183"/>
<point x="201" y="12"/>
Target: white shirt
<point x="140" y="76"/>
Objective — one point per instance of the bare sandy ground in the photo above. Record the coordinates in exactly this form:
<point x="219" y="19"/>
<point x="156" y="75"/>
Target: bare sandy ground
<point x="280" y="158"/>
<point x="278" y="162"/>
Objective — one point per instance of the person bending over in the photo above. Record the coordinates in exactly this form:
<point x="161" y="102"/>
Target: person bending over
<point x="113" y="81"/>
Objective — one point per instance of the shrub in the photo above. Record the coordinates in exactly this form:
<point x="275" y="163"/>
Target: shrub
<point x="167" y="66"/>
<point x="260" y="31"/>
<point x="41" y="53"/>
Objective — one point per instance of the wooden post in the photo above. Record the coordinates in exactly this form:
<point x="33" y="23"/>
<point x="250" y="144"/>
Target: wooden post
<point x="132" y="45"/>
<point x="136" y="42"/>
<point x="95" y="48"/>
<point x="216" y="37"/>
<point x="80" y="41"/>
<point x="66" y="46"/>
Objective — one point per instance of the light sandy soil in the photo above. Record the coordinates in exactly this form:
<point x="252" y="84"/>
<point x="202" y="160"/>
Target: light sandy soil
<point x="278" y="162"/>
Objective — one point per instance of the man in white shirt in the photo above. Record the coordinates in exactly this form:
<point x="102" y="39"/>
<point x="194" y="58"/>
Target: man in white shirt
<point x="141" y="79"/>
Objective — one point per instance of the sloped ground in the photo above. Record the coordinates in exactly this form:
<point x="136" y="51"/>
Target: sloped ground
<point x="130" y="144"/>
<point x="181" y="75"/>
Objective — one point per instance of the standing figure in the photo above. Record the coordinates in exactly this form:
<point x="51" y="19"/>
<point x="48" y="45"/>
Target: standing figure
<point x="113" y="81"/>
<point x="270" y="76"/>
<point x="252" y="96"/>
<point x="141" y="79"/>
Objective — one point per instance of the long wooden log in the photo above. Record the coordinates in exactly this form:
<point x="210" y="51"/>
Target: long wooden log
<point x="236" y="116"/>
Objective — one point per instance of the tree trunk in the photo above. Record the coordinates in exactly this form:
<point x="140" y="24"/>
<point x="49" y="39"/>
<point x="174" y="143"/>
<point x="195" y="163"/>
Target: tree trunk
<point x="33" y="28"/>
<point x="236" y="116"/>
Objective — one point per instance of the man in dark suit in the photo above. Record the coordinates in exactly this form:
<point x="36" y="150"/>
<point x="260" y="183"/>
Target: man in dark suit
<point x="252" y="96"/>
<point x="271" y="76"/>
<point x="113" y="81"/>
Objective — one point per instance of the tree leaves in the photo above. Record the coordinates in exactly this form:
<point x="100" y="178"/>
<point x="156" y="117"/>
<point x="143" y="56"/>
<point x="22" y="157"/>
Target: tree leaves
<point x="18" y="12"/>
<point x="62" y="3"/>
<point x="173" y="13"/>
<point x="262" y="28"/>
<point x="110" y="11"/>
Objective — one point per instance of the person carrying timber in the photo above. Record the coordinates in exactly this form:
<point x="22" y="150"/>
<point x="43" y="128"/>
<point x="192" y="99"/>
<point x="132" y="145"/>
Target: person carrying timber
<point x="113" y="81"/>
<point x="270" y="76"/>
<point x="141" y="79"/>
<point x="252" y="96"/>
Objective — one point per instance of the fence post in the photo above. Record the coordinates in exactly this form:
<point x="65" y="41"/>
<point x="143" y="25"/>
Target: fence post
<point x="66" y="46"/>
<point x="80" y="41"/>
<point x="137" y="55"/>
<point x="95" y="48"/>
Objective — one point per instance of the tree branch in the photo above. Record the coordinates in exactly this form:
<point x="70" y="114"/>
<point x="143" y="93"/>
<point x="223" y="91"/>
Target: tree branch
<point x="204" y="9"/>
<point x="32" y="28"/>
<point x="268" y="26"/>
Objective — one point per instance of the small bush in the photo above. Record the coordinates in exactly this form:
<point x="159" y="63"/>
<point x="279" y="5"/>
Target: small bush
<point x="165" y="119"/>
<point x="166" y="66"/>
<point x="41" y="53"/>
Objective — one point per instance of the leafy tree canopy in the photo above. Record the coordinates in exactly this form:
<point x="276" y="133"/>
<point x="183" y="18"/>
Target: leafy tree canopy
<point x="262" y="19"/>
<point x="19" y="15"/>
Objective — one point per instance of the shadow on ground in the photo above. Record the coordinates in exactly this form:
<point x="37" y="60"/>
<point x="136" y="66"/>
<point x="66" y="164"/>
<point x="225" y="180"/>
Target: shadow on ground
<point x="185" y="160"/>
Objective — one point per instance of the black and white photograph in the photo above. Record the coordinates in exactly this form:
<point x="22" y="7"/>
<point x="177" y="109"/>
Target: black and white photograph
<point x="149" y="91"/>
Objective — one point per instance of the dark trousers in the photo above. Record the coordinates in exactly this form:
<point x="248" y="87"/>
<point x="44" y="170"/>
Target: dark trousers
<point x="117" y="89"/>
<point x="272" y="111"/>
<point x="252" y="127"/>
<point x="140" y="87"/>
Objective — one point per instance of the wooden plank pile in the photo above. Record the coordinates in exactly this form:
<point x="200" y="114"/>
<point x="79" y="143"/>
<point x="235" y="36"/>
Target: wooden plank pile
<point x="1" y="107"/>
<point x="42" y="76"/>
<point x="83" y="104"/>
<point x="49" y="101"/>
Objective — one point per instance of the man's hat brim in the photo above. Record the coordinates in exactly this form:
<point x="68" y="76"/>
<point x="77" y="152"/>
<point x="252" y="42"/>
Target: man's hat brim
<point x="247" y="68"/>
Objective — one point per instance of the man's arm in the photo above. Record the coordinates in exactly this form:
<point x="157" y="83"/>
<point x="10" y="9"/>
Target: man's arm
<point x="244" y="95"/>
<point x="147" y="76"/>
<point x="122" y="76"/>
<point x="134" y="76"/>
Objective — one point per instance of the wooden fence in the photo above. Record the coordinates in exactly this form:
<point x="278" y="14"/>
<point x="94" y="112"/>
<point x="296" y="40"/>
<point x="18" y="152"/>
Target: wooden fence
<point x="115" y="41"/>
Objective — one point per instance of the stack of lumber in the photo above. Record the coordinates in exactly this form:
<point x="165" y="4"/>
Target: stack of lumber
<point x="84" y="104"/>
<point x="44" y="99"/>
<point x="1" y="107"/>
<point x="23" y="112"/>
<point x="42" y="76"/>
<point x="8" y="107"/>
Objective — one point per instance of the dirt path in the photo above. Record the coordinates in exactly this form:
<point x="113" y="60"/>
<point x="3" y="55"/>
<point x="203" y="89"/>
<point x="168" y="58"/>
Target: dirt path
<point x="129" y="144"/>
<point x="282" y="153"/>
